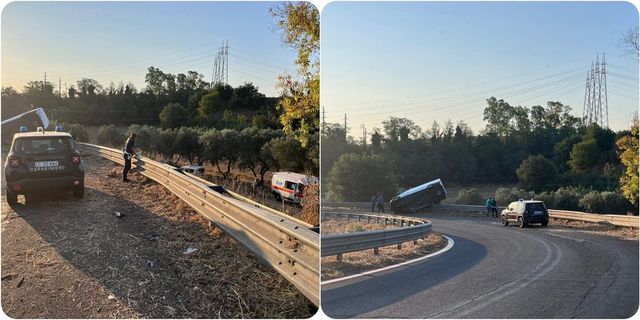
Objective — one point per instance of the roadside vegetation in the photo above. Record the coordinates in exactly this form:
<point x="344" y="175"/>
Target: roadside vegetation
<point x="546" y="151"/>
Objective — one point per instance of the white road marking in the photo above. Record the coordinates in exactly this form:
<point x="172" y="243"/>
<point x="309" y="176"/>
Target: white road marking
<point x="450" y="244"/>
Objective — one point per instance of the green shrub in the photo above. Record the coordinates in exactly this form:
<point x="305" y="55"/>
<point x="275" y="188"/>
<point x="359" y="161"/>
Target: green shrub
<point x="469" y="196"/>
<point x="604" y="202"/>
<point x="548" y="197"/>
<point x="568" y="198"/>
<point x="504" y="196"/>
<point x="110" y="136"/>
<point x="77" y="131"/>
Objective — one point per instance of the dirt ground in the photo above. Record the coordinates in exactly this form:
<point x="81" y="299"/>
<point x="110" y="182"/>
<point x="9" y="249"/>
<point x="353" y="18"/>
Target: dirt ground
<point x="356" y="262"/>
<point x="64" y="257"/>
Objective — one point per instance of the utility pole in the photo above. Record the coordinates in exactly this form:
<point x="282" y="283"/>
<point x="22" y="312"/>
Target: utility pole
<point x="226" y="63"/>
<point x="364" y="135"/>
<point x="323" y="118"/>
<point x="345" y="127"/>
<point x="44" y="85"/>
<point x="59" y="87"/>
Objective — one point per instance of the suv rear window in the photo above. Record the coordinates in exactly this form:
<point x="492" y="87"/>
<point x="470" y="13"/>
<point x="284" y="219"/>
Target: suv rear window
<point x="44" y="145"/>
<point x="535" y="206"/>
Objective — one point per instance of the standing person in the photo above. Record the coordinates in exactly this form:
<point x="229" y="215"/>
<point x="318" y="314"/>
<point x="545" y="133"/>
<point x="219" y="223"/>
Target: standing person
<point x="380" y="201"/>
<point x="494" y="207"/>
<point x="128" y="152"/>
<point x="488" y="205"/>
<point x="374" y="201"/>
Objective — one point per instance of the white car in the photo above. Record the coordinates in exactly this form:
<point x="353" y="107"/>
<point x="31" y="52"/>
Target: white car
<point x="289" y="186"/>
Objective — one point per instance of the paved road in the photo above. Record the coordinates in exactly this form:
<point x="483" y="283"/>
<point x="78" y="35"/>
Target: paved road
<point x="500" y="272"/>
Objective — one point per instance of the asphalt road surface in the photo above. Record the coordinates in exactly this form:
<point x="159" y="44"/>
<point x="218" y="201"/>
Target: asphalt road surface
<point x="500" y="272"/>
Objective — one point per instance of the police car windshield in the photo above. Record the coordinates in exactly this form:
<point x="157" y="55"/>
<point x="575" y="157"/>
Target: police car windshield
<point x="42" y="145"/>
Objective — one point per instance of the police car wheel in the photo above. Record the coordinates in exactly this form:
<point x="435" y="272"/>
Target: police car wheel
<point x="78" y="192"/>
<point x="12" y="198"/>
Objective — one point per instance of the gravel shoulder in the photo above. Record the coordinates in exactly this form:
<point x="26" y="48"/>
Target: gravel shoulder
<point x="73" y="258"/>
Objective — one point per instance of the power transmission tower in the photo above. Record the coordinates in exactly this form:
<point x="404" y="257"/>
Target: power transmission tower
<point x="220" y="73"/>
<point x="596" y="105"/>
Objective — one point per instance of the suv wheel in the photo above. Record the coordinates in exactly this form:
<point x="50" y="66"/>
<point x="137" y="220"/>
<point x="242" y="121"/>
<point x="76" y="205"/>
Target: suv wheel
<point x="504" y="220"/>
<point x="521" y="223"/>
<point x="78" y="192"/>
<point x="12" y="198"/>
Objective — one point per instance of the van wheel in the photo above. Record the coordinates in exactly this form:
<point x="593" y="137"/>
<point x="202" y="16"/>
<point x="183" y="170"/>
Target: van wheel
<point x="521" y="223"/>
<point x="78" y="192"/>
<point x="12" y="198"/>
<point x="504" y="220"/>
<point x="278" y="197"/>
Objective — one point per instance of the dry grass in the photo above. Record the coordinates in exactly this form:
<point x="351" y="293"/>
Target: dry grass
<point x="603" y="229"/>
<point x="356" y="262"/>
<point x="342" y="226"/>
<point x="75" y="259"/>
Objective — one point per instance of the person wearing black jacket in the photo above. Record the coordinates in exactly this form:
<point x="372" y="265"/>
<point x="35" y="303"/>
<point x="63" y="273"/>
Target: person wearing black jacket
<point x="128" y="153"/>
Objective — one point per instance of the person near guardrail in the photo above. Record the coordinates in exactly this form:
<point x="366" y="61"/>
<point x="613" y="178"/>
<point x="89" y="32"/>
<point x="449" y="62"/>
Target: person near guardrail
<point x="494" y="207"/>
<point x="380" y="202"/>
<point x="128" y="152"/>
<point x="374" y="201"/>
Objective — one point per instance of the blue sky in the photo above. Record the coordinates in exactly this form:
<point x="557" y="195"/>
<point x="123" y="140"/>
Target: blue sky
<point x="439" y="61"/>
<point x="118" y="41"/>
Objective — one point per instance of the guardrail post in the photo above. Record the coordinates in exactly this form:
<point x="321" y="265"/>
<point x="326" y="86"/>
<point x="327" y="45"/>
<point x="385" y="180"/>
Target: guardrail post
<point x="339" y="257"/>
<point x="415" y="242"/>
<point x="401" y="223"/>
<point x="399" y="246"/>
<point x="376" y="251"/>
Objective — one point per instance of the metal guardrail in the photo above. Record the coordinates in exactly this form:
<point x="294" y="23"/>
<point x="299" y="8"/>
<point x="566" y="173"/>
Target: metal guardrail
<point x="410" y="229"/>
<point x="283" y="242"/>
<point x="618" y="220"/>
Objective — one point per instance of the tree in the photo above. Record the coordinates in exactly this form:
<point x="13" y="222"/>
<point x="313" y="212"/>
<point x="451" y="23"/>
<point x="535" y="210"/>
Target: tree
<point x="628" y="148"/>
<point x="188" y="144"/>
<point x="89" y="87"/>
<point x="630" y="42"/>
<point x="288" y="153"/>
<point x="210" y="104"/>
<point x="356" y="177"/>
<point x="537" y="173"/>
<point x="395" y="128"/>
<point x="248" y="94"/>
<point x="252" y="156"/>
<point x="584" y="156"/>
<point x="300" y="26"/>
<point x="221" y="146"/>
<point x="173" y="115"/>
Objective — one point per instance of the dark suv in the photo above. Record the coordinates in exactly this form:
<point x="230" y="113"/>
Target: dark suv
<point x="525" y="212"/>
<point x="40" y="161"/>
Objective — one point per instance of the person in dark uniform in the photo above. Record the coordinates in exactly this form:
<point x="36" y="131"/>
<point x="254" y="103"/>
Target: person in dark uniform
<point x="128" y="152"/>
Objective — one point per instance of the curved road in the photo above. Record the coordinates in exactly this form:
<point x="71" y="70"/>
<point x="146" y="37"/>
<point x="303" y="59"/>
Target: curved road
<point x="500" y="272"/>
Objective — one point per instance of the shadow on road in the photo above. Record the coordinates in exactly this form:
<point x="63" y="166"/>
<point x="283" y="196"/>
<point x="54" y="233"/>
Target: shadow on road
<point x="342" y="300"/>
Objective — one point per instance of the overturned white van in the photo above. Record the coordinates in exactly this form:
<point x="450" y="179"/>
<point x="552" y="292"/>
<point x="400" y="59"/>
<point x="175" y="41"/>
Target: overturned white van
<point x="290" y="186"/>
